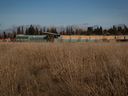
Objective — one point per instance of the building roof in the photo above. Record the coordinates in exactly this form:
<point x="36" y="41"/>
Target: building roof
<point x="50" y="33"/>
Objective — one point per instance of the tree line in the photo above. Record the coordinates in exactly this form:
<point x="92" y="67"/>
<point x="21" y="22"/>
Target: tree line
<point x="114" y="30"/>
<point x="69" y="30"/>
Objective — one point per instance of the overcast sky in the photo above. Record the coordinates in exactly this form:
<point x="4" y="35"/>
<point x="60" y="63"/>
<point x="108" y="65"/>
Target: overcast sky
<point x="63" y="12"/>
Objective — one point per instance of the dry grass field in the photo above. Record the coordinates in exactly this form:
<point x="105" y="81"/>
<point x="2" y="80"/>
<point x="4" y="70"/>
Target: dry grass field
<point x="63" y="69"/>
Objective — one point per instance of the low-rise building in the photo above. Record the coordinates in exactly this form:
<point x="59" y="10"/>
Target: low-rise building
<point x="47" y="36"/>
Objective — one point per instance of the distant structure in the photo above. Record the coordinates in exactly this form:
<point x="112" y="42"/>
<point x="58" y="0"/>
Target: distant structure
<point x="46" y="37"/>
<point x="94" y="38"/>
<point x="54" y="37"/>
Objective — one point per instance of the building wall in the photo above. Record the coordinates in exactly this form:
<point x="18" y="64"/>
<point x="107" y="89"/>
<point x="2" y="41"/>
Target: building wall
<point x="25" y="38"/>
<point x="81" y="38"/>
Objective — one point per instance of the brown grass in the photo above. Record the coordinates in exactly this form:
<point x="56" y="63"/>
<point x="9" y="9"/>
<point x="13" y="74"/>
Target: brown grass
<point x="70" y="69"/>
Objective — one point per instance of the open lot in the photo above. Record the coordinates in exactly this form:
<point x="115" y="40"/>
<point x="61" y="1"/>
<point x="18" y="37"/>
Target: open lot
<point x="63" y="69"/>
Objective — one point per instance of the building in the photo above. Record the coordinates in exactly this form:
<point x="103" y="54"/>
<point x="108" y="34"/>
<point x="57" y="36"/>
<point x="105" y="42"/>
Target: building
<point x="93" y="38"/>
<point x="47" y="36"/>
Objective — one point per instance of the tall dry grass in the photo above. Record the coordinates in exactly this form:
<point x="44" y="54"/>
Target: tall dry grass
<point x="70" y="69"/>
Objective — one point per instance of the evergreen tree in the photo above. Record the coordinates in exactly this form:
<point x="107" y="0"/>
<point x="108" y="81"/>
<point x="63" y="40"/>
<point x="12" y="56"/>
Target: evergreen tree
<point x="120" y="30"/>
<point x="90" y="31"/>
<point x="4" y="35"/>
<point x="31" y="30"/>
<point x="100" y="31"/>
